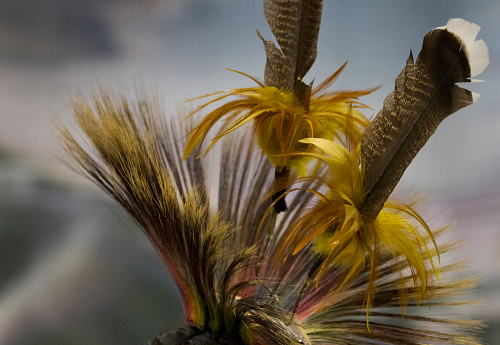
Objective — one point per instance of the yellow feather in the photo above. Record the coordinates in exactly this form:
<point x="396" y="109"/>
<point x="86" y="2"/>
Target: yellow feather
<point x="345" y="237"/>
<point x="280" y="121"/>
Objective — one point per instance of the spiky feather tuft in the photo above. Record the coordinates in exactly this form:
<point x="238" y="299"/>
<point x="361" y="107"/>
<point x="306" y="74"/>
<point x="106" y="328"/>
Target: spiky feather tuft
<point x="232" y="295"/>
<point x="343" y="236"/>
<point x="132" y="155"/>
<point x="279" y="121"/>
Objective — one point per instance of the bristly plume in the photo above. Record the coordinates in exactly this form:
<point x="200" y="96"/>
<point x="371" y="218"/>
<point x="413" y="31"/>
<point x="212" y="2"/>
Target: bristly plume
<point x="425" y="94"/>
<point x="129" y="152"/>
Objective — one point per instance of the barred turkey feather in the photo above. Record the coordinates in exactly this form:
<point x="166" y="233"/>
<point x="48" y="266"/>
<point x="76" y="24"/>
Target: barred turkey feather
<point x="426" y="92"/>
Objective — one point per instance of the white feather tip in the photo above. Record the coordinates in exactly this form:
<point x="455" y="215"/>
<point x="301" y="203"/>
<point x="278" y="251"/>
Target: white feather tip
<point x="475" y="96"/>
<point x="476" y="51"/>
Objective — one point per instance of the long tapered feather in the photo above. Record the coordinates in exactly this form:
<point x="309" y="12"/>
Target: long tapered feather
<point x="425" y="94"/>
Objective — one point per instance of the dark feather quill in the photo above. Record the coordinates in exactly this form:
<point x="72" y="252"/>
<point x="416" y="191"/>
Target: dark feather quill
<point x="425" y="94"/>
<point x="295" y="25"/>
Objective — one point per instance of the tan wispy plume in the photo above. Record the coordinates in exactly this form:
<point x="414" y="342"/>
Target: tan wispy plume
<point x="231" y="293"/>
<point x="132" y="154"/>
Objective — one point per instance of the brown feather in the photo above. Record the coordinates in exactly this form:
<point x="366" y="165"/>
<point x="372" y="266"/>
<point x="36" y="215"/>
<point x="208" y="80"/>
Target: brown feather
<point x="295" y="25"/>
<point x="425" y="94"/>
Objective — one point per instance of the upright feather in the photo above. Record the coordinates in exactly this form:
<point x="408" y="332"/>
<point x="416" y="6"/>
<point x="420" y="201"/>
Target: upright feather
<point x="295" y="24"/>
<point x="425" y="94"/>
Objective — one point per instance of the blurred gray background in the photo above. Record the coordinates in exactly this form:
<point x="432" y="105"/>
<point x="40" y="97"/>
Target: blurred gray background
<point x="74" y="269"/>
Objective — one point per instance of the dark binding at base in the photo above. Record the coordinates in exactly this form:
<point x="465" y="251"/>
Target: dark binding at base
<point x="280" y="205"/>
<point x="193" y="336"/>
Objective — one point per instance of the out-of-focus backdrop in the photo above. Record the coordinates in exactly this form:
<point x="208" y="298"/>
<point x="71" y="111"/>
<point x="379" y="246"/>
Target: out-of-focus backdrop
<point x="74" y="269"/>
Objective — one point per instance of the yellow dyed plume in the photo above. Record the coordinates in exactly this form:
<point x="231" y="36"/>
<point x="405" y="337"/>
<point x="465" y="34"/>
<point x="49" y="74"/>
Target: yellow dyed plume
<point x="280" y="121"/>
<point x="343" y="236"/>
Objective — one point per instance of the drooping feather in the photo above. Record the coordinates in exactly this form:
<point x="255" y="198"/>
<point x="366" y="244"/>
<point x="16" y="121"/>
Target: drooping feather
<point x="425" y="94"/>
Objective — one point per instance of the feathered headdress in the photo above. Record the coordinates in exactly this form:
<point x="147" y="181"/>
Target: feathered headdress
<point x="341" y="249"/>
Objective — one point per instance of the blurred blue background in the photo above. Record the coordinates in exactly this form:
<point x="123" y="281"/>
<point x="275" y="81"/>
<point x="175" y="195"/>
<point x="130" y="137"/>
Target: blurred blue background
<point x="74" y="269"/>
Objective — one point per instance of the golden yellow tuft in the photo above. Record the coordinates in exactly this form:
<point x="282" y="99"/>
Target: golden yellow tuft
<point x="343" y="236"/>
<point x="280" y="121"/>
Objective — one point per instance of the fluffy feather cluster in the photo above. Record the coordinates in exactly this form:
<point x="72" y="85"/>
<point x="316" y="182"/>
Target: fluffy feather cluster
<point x="230" y="290"/>
<point x="280" y="120"/>
<point x="342" y="235"/>
<point x="312" y="274"/>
